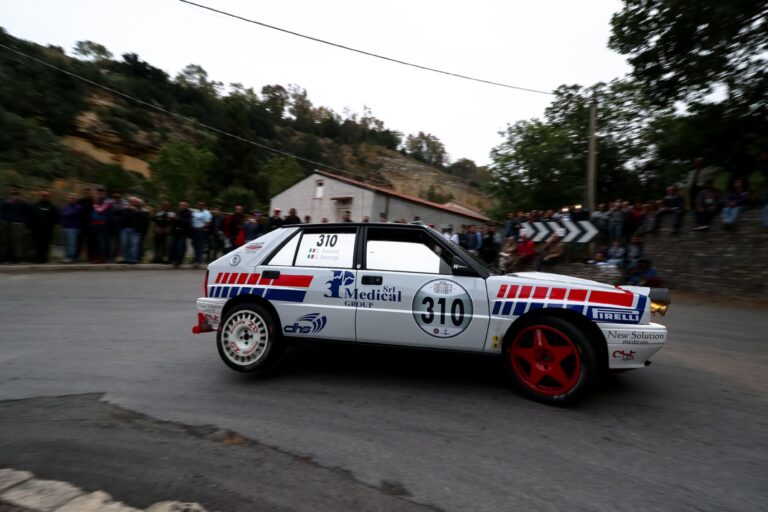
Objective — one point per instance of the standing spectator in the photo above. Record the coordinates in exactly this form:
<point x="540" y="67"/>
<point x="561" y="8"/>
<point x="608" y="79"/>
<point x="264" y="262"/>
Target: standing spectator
<point x="599" y="219"/>
<point x="707" y="204"/>
<point x="635" y="220"/>
<point x="347" y="217"/>
<point x="474" y="240"/>
<point x="383" y="217"/>
<point x="161" y="230"/>
<point x="201" y="223"/>
<point x="508" y="255"/>
<point x="142" y="227"/>
<point x="292" y="218"/>
<point x="43" y="217"/>
<point x="615" y="220"/>
<point x="307" y="219"/>
<point x="488" y="248"/>
<point x="734" y="203"/>
<point x="15" y="220"/>
<point x="275" y="221"/>
<point x="765" y="209"/>
<point x="114" y="226"/>
<point x="251" y="227"/>
<point x="697" y="180"/>
<point x="235" y="227"/>
<point x="672" y="204"/>
<point x="99" y="230"/>
<point x="463" y="237"/>
<point x="70" y="225"/>
<point x="366" y="219"/>
<point x="510" y="226"/>
<point x="84" y="241"/>
<point x="181" y="226"/>
<point x="130" y="236"/>
<point x="215" y="234"/>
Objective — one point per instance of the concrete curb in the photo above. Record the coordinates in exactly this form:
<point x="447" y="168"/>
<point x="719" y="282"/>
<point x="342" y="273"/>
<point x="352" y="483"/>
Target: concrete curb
<point x="65" y="267"/>
<point x="28" y="494"/>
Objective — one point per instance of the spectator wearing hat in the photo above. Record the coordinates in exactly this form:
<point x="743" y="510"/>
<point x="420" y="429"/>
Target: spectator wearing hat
<point x="275" y="221"/>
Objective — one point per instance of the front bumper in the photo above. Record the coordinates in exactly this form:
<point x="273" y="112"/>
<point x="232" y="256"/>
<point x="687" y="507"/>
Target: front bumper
<point x="208" y="315"/>
<point x="631" y="346"/>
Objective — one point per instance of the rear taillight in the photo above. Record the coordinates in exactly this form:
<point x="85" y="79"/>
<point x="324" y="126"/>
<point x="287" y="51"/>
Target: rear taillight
<point x="205" y="284"/>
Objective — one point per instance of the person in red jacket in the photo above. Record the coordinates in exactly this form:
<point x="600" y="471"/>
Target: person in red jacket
<point x="525" y="251"/>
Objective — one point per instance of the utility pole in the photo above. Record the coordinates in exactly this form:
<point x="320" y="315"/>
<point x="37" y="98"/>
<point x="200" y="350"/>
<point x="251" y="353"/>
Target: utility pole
<point x="592" y="157"/>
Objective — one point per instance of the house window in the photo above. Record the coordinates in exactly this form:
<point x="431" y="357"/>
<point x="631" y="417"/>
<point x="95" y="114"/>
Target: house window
<point x="319" y="189"/>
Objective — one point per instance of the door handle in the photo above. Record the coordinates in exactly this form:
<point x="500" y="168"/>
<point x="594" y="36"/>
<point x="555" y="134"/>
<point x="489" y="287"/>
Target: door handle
<point x="372" y="280"/>
<point x="270" y="274"/>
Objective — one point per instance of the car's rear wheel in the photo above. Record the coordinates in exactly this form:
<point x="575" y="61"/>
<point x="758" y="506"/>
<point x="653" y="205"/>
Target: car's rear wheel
<point x="247" y="339"/>
<point x="551" y="361"/>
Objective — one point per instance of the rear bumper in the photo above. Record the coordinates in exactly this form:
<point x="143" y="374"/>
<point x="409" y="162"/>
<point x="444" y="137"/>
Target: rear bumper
<point x="208" y="315"/>
<point x="632" y="346"/>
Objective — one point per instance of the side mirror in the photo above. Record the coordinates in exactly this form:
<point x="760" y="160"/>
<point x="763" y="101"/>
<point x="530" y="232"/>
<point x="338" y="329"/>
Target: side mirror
<point x="460" y="268"/>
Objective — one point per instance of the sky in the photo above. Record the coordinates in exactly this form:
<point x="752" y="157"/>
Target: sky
<point x="537" y="44"/>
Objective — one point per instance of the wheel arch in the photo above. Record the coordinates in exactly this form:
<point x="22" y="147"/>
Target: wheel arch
<point x="587" y="326"/>
<point x="252" y="299"/>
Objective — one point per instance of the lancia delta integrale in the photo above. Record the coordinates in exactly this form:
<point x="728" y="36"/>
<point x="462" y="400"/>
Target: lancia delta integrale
<point x="406" y="285"/>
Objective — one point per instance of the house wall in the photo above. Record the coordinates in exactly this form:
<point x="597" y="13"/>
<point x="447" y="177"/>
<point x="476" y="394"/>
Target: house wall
<point x="363" y="202"/>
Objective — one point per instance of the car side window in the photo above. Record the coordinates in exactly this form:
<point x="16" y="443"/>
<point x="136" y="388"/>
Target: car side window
<point x="404" y="250"/>
<point x="284" y="257"/>
<point x="326" y="249"/>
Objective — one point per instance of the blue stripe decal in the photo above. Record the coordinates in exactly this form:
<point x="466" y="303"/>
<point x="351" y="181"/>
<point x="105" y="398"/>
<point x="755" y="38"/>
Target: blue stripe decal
<point x="233" y="291"/>
<point x="507" y="308"/>
<point x="536" y="305"/>
<point x="576" y="307"/>
<point x="286" y="295"/>
<point x="215" y="291"/>
<point x="219" y="291"/>
<point x="496" y="307"/>
<point x="520" y="308"/>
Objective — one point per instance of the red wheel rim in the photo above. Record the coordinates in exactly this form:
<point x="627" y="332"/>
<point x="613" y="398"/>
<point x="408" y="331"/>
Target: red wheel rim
<point x="545" y="360"/>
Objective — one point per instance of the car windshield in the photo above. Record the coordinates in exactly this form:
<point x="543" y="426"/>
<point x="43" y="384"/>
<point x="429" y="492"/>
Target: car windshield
<point x="491" y="269"/>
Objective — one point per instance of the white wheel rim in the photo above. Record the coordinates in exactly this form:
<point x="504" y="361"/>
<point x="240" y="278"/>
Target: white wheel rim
<point x="244" y="338"/>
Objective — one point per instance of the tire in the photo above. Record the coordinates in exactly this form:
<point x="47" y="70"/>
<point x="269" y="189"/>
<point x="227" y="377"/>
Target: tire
<point x="551" y="361"/>
<point x="247" y="339"/>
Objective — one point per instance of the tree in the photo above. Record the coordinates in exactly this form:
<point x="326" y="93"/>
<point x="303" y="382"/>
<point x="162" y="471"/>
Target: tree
<point x="282" y="173"/>
<point x="681" y="50"/>
<point x="275" y="99"/>
<point x="92" y="51"/>
<point x="195" y="77"/>
<point x="182" y="171"/>
<point x="426" y="148"/>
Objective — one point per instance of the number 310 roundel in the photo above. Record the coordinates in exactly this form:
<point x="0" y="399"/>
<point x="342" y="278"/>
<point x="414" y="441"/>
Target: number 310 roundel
<point x="442" y="308"/>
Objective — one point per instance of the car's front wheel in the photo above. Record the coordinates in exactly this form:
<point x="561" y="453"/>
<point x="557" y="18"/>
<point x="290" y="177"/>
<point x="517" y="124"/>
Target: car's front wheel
<point x="247" y="340"/>
<point x="551" y="361"/>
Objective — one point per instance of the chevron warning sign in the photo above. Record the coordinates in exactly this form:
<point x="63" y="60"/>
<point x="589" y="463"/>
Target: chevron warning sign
<point x="579" y="232"/>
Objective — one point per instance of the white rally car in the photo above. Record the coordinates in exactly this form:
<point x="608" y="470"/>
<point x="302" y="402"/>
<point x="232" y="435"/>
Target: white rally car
<point x="406" y="285"/>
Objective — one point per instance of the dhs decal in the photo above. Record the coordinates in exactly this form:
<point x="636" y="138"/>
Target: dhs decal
<point x="308" y="324"/>
<point x="618" y="316"/>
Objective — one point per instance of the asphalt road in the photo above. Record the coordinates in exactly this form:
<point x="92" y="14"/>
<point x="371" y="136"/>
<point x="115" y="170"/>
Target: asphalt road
<point x="103" y="385"/>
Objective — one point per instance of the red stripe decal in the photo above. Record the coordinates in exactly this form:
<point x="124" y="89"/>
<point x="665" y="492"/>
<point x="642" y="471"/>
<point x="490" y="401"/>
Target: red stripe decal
<point x="265" y="282"/>
<point x="540" y="292"/>
<point x="242" y="278"/>
<point x="557" y="294"/>
<point x="292" y="280"/>
<point x="233" y="277"/>
<point x="613" y="298"/>
<point x="577" y="295"/>
<point x="253" y="278"/>
<point x="525" y="291"/>
<point x="512" y="291"/>
<point x="218" y="277"/>
<point x="501" y="291"/>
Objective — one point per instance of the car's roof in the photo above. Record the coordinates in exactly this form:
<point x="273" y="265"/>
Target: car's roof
<point x="356" y="224"/>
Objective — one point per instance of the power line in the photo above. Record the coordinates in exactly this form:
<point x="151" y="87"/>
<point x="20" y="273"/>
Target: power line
<point x="363" y="52"/>
<point x="174" y="114"/>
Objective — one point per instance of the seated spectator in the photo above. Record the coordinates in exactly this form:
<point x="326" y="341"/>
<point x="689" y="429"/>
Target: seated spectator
<point x="616" y="253"/>
<point x="634" y="251"/>
<point x="643" y="274"/>
<point x="600" y="256"/>
<point x="672" y="204"/>
<point x="508" y="255"/>
<point x="734" y="203"/>
<point x="706" y="206"/>
<point x="525" y="252"/>
<point x="551" y="252"/>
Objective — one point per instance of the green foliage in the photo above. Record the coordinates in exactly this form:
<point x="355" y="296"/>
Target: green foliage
<point x="426" y="148"/>
<point x="234" y="195"/>
<point x="181" y="171"/>
<point x="282" y="172"/>
<point x="89" y="50"/>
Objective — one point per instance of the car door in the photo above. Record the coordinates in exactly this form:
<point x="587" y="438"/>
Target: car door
<point x="308" y="277"/>
<point x="406" y="293"/>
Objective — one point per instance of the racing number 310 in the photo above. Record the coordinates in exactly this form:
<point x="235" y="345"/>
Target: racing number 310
<point x="327" y="240"/>
<point x="457" y="310"/>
